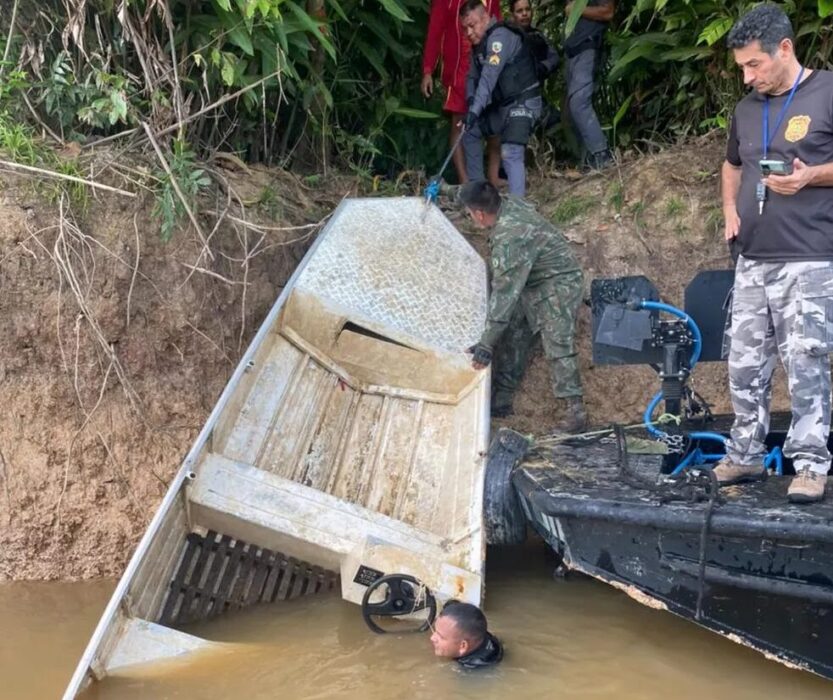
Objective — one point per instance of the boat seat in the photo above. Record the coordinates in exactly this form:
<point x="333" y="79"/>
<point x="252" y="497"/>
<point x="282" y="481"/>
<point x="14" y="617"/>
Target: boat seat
<point x="256" y="506"/>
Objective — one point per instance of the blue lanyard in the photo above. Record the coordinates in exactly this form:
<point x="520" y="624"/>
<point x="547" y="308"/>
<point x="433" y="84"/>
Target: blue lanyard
<point x="767" y="137"/>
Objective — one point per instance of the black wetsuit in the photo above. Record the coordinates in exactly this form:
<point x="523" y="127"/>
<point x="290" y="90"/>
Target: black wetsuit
<point x="488" y="653"/>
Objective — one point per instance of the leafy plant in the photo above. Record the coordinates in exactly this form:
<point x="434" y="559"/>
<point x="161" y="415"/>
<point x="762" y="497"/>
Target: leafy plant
<point x="169" y="208"/>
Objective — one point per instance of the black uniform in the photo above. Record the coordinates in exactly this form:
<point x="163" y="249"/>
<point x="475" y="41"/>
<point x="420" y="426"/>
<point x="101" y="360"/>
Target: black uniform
<point x="489" y="653"/>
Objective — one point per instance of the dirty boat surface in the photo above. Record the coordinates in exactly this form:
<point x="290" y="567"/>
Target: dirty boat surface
<point x="644" y="513"/>
<point x="347" y="445"/>
<point x="746" y="564"/>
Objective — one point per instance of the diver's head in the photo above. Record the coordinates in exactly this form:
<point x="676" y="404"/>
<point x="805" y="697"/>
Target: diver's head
<point x="459" y="629"/>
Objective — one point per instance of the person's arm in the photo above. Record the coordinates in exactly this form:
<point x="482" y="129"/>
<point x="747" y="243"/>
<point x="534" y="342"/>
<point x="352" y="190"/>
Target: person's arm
<point x="730" y="176"/>
<point x="729" y="187"/>
<point x="433" y="42"/>
<point x="550" y="63"/>
<point x="600" y="13"/>
<point x="507" y="45"/>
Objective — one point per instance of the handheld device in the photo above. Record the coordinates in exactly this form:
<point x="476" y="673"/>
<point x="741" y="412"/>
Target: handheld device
<point x="775" y="167"/>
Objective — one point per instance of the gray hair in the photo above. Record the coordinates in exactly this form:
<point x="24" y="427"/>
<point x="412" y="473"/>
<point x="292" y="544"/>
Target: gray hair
<point x="767" y="24"/>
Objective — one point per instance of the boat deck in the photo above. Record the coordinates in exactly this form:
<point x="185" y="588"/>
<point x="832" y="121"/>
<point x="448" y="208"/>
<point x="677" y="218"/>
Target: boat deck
<point x="746" y="564"/>
<point x="590" y="480"/>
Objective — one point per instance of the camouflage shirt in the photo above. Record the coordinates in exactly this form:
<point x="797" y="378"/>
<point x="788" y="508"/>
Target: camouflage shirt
<point x="526" y="251"/>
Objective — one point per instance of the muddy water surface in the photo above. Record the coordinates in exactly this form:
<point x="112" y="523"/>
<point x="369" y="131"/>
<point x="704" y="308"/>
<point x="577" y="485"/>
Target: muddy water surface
<point x="570" y="639"/>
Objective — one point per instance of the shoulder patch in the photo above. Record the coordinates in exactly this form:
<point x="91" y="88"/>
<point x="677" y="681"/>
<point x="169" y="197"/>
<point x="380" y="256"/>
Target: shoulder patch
<point x="797" y="128"/>
<point x="497" y="47"/>
<point x="494" y="60"/>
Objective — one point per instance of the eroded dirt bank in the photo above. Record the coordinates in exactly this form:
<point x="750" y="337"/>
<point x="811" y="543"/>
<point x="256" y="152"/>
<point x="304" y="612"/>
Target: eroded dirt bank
<point x="114" y="345"/>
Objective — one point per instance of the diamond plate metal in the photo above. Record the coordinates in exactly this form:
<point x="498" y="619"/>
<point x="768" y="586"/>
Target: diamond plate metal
<point x="380" y="262"/>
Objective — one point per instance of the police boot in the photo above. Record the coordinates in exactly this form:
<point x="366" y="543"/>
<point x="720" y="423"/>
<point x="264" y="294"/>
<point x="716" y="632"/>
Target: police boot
<point x="576" y="419"/>
<point x="599" y="161"/>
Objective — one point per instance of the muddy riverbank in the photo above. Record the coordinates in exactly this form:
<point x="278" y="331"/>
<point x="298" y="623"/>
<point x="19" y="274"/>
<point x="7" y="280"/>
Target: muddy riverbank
<point x="114" y="345"/>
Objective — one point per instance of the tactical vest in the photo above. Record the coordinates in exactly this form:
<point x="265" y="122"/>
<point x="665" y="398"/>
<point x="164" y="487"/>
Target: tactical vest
<point x="519" y="76"/>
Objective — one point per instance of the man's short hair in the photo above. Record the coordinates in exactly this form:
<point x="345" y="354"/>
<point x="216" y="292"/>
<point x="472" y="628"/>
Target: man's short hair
<point x="470" y="6"/>
<point x="767" y="24"/>
<point x="480" y="195"/>
<point x="469" y="619"/>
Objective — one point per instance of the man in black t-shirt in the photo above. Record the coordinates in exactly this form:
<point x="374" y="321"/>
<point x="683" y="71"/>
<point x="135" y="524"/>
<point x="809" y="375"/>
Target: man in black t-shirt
<point x="546" y="57"/>
<point x="461" y="633"/>
<point x="583" y="49"/>
<point x="782" y="227"/>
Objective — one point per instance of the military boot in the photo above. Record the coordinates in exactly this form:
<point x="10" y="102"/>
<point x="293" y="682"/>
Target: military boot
<point x="576" y="419"/>
<point x="807" y="487"/>
<point x="501" y="404"/>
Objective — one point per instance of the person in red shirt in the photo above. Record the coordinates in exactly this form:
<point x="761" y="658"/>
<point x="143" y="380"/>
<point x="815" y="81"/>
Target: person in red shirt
<point x="445" y="41"/>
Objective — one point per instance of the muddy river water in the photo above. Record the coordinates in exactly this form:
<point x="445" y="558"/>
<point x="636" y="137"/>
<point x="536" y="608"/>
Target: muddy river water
<point x="568" y="639"/>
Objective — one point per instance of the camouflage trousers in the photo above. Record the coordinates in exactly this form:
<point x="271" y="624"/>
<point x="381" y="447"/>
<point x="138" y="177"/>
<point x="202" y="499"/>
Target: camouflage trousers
<point x="782" y="309"/>
<point x="549" y="309"/>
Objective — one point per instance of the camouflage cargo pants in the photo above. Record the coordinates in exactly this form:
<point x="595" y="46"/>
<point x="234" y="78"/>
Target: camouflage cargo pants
<point x="549" y="309"/>
<point x="782" y="309"/>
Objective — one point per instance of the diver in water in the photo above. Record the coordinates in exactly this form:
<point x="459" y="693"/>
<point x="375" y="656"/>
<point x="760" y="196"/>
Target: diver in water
<point x="461" y="633"/>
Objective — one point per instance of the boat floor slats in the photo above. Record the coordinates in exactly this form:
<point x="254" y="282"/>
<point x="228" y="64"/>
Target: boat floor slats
<point x="376" y="451"/>
<point x="217" y="573"/>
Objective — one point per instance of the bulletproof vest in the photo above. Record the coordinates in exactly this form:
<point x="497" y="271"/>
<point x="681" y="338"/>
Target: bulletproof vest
<point x="519" y="76"/>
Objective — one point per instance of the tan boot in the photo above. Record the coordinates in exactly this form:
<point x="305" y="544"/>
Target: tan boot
<point x="729" y="472"/>
<point x="576" y="419"/>
<point x="807" y="487"/>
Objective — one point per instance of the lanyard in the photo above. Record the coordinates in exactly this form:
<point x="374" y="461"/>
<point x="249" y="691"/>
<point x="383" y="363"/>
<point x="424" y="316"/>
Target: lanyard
<point x="767" y="137"/>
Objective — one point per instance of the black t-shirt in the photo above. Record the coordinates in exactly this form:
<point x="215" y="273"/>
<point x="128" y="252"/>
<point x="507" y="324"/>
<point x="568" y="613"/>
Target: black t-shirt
<point x="792" y="227"/>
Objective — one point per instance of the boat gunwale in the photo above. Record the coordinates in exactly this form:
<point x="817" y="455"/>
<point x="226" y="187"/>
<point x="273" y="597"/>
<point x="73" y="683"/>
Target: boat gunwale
<point x="675" y="517"/>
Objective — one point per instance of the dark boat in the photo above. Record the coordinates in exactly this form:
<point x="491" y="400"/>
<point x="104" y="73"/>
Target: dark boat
<point x="740" y="561"/>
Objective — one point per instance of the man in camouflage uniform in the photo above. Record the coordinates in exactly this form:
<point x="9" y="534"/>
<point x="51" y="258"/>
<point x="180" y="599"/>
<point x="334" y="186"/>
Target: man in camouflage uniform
<point x="782" y="226"/>
<point x="536" y="288"/>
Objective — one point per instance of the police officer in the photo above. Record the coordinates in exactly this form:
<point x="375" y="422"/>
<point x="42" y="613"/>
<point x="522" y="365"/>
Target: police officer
<point x="583" y="50"/>
<point x="503" y="92"/>
<point x="546" y="57"/>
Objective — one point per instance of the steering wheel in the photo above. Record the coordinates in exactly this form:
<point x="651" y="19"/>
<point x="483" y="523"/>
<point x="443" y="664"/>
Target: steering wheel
<point x="398" y="596"/>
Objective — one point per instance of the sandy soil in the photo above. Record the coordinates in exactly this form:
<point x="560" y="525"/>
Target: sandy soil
<point x="114" y="348"/>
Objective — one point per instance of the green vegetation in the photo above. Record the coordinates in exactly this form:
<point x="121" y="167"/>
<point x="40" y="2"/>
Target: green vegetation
<point x="571" y="207"/>
<point x="169" y="207"/>
<point x="616" y="195"/>
<point x="673" y="207"/>
<point x="18" y="144"/>
<point x="668" y="73"/>
<point x="326" y="84"/>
